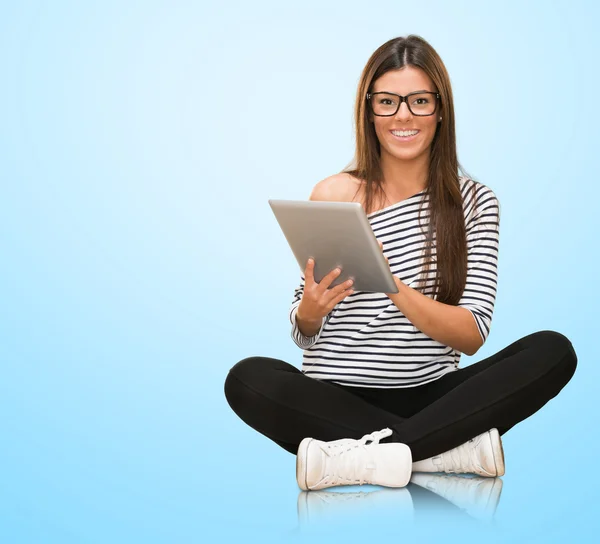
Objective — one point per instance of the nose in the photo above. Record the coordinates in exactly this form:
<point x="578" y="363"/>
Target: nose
<point x="403" y="111"/>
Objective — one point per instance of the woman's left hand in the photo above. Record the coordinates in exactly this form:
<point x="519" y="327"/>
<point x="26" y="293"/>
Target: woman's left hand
<point x="396" y="279"/>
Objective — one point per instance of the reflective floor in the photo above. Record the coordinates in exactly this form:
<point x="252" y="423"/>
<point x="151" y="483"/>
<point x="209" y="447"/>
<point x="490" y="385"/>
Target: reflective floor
<point x="463" y="497"/>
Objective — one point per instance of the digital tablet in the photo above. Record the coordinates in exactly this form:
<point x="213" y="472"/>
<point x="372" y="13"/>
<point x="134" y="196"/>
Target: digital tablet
<point x="335" y="234"/>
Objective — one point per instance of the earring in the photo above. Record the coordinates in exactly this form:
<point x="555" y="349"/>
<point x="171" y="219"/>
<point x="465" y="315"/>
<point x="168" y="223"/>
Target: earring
<point x="440" y="118"/>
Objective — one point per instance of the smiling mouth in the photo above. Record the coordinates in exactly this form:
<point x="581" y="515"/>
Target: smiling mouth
<point x="409" y="137"/>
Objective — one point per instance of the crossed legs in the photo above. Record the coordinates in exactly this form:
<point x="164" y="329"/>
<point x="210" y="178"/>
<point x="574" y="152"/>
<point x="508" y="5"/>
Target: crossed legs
<point x="282" y="403"/>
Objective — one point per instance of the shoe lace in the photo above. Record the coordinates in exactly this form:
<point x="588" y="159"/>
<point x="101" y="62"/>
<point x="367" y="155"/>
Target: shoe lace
<point x="349" y="461"/>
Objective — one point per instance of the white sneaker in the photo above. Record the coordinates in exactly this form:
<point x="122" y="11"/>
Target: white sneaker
<point x="347" y="461"/>
<point x="482" y="455"/>
<point x="479" y="497"/>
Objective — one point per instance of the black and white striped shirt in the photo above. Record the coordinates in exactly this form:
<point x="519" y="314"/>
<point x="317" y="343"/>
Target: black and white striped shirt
<point x="366" y="341"/>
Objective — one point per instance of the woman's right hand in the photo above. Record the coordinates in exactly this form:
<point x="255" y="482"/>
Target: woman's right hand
<point x="318" y="300"/>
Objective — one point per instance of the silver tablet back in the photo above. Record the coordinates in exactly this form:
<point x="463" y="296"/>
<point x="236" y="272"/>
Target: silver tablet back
<point x="335" y="234"/>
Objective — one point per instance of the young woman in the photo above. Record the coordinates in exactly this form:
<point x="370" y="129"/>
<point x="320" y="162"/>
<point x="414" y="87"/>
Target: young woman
<point x="380" y="393"/>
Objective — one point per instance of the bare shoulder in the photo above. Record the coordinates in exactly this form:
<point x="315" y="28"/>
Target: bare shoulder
<point x="341" y="187"/>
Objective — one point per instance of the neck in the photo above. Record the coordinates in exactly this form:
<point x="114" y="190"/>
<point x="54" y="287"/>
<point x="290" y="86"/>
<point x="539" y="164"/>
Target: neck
<point x="404" y="177"/>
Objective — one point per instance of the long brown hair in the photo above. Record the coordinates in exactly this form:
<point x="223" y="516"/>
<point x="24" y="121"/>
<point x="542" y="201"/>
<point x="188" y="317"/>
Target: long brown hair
<point x="446" y="216"/>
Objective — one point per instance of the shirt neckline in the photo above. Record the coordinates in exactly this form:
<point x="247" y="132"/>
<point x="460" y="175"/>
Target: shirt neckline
<point x="396" y="204"/>
<point x="461" y="179"/>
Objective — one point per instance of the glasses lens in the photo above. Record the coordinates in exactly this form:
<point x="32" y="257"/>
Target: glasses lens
<point x="422" y="104"/>
<point x="384" y="104"/>
<point x="419" y="104"/>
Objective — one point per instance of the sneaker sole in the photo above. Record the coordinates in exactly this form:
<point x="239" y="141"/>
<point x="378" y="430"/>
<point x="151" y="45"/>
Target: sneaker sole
<point x="498" y="451"/>
<point x="301" y="457"/>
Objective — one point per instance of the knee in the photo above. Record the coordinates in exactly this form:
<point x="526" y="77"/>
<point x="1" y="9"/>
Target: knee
<point x="253" y="381"/>
<point x="562" y="348"/>
<point x="248" y="369"/>
<point x="236" y="388"/>
<point x="239" y="374"/>
<point x="247" y="373"/>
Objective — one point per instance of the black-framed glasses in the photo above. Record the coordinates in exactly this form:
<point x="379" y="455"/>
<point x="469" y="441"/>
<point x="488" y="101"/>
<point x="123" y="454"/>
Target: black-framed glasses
<point x="386" y="104"/>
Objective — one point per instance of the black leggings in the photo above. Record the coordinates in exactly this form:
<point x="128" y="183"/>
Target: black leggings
<point x="285" y="405"/>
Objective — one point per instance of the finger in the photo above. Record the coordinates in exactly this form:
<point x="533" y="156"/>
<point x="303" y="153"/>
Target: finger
<point x="328" y="279"/>
<point x="309" y="277"/>
<point x="339" y="289"/>
<point x="339" y="298"/>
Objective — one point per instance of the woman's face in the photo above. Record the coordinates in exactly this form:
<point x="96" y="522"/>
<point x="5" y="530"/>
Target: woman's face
<point x="404" y="81"/>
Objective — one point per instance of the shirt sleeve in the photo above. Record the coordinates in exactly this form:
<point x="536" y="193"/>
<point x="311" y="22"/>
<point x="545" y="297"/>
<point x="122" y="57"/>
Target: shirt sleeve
<point x="300" y="339"/>
<point x="483" y="230"/>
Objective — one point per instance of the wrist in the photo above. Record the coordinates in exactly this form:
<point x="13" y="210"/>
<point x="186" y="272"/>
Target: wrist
<point x="300" y="317"/>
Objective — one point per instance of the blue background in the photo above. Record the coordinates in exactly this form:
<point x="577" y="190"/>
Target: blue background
<point x="139" y="144"/>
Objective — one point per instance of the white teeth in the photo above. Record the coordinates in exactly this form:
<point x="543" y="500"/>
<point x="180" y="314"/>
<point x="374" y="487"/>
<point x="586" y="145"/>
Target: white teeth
<point x="404" y="132"/>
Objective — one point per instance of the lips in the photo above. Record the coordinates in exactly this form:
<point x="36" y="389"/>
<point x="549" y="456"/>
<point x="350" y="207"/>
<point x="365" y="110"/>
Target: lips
<point x="404" y="138"/>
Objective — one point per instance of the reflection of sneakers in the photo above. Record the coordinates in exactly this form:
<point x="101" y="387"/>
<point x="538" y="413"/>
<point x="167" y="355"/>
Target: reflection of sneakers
<point x="347" y="461"/>
<point x="329" y="507"/>
<point x="479" y="497"/>
<point x="482" y="455"/>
